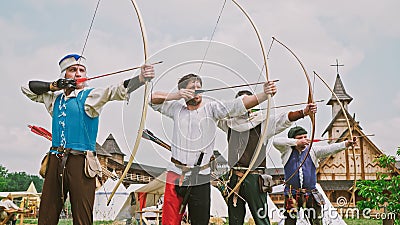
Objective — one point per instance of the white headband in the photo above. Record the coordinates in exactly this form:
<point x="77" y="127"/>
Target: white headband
<point x="71" y="60"/>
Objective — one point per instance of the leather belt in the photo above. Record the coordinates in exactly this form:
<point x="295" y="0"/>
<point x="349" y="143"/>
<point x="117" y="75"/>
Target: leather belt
<point x="241" y="173"/>
<point x="302" y="190"/>
<point x="61" y="150"/>
<point x="246" y="168"/>
<point x="185" y="168"/>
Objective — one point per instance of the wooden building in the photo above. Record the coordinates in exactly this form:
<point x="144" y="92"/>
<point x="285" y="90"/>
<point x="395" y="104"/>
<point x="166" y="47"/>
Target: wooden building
<point x="336" y="174"/>
<point x="112" y="160"/>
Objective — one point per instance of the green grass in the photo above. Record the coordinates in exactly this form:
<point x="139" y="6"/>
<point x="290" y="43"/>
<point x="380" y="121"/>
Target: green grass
<point x="348" y="221"/>
<point x="363" y="222"/>
<point x="68" y="222"/>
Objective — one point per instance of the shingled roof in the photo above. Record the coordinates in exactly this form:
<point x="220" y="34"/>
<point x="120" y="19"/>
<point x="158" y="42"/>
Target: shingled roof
<point x="338" y="114"/>
<point x="340" y="92"/>
<point x="111" y="146"/>
<point x="336" y="185"/>
<point x="100" y="151"/>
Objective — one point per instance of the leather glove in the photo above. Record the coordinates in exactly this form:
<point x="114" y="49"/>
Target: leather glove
<point x="63" y="83"/>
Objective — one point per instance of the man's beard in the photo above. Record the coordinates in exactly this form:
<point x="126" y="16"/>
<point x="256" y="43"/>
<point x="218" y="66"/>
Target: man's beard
<point x="192" y="102"/>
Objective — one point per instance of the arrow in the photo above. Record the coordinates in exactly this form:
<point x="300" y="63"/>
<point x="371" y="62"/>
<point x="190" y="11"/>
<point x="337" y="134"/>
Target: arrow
<point x="331" y="139"/>
<point x="83" y="79"/>
<point x="282" y="106"/>
<point x="41" y="132"/>
<point x="196" y="92"/>
<point x="147" y="134"/>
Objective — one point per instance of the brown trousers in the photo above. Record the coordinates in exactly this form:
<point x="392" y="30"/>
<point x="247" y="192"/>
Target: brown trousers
<point x="80" y="188"/>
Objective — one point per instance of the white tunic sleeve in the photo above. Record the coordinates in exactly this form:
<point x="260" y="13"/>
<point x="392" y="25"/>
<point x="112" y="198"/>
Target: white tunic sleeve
<point x="47" y="98"/>
<point x="168" y="108"/>
<point x="221" y="110"/>
<point x="98" y="97"/>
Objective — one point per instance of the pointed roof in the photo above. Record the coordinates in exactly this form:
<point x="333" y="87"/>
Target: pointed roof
<point x="366" y="139"/>
<point x="100" y="151"/>
<point x="339" y="113"/>
<point x="110" y="145"/>
<point x="340" y="92"/>
<point x="32" y="188"/>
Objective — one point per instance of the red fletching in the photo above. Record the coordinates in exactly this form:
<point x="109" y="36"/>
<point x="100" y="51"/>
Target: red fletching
<point x="44" y="131"/>
<point x="35" y="130"/>
<point x="81" y="80"/>
<point x="41" y="131"/>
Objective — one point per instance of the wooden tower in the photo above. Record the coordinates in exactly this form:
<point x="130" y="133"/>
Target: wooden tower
<point x="337" y="173"/>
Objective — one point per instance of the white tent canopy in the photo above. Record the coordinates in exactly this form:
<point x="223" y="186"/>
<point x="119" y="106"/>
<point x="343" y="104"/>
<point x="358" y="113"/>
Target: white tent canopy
<point x="148" y="194"/>
<point x="155" y="189"/>
<point x="32" y="188"/>
<point x="101" y="210"/>
<point x="31" y="192"/>
<point x="128" y="208"/>
<point x="218" y="205"/>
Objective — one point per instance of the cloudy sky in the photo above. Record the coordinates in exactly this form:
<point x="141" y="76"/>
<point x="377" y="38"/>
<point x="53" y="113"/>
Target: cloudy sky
<point x="362" y="34"/>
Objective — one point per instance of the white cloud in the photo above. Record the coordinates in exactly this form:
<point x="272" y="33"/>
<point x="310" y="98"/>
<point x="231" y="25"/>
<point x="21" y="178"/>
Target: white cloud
<point x="386" y="135"/>
<point x="396" y="101"/>
<point x="37" y="33"/>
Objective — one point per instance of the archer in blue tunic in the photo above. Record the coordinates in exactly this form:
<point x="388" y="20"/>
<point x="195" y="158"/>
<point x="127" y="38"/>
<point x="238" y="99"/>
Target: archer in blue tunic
<point x="75" y="111"/>
<point x="300" y="190"/>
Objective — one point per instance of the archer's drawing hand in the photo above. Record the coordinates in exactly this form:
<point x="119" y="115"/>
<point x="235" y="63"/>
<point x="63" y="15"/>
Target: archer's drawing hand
<point x="302" y="143"/>
<point x="351" y="142"/>
<point x="64" y="83"/>
<point x="186" y="94"/>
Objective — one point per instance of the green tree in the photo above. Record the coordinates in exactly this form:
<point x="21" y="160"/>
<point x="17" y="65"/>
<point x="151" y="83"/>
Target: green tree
<point x="383" y="192"/>
<point x="3" y="177"/>
<point x="18" y="181"/>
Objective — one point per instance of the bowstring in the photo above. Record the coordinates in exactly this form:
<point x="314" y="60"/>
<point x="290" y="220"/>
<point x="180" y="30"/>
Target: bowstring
<point x="269" y="149"/>
<point x="212" y="36"/>
<point x="312" y="94"/>
<point x="257" y="133"/>
<point x="321" y="170"/>
<point x="90" y="28"/>
<point x="83" y="50"/>
<point x="263" y="66"/>
<point x="79" y="60"/>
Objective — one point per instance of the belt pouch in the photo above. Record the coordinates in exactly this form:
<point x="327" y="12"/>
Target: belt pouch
<point x="92" y="165"/>
<point x="265" y="183"/>
<point x="318" y="197"/>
